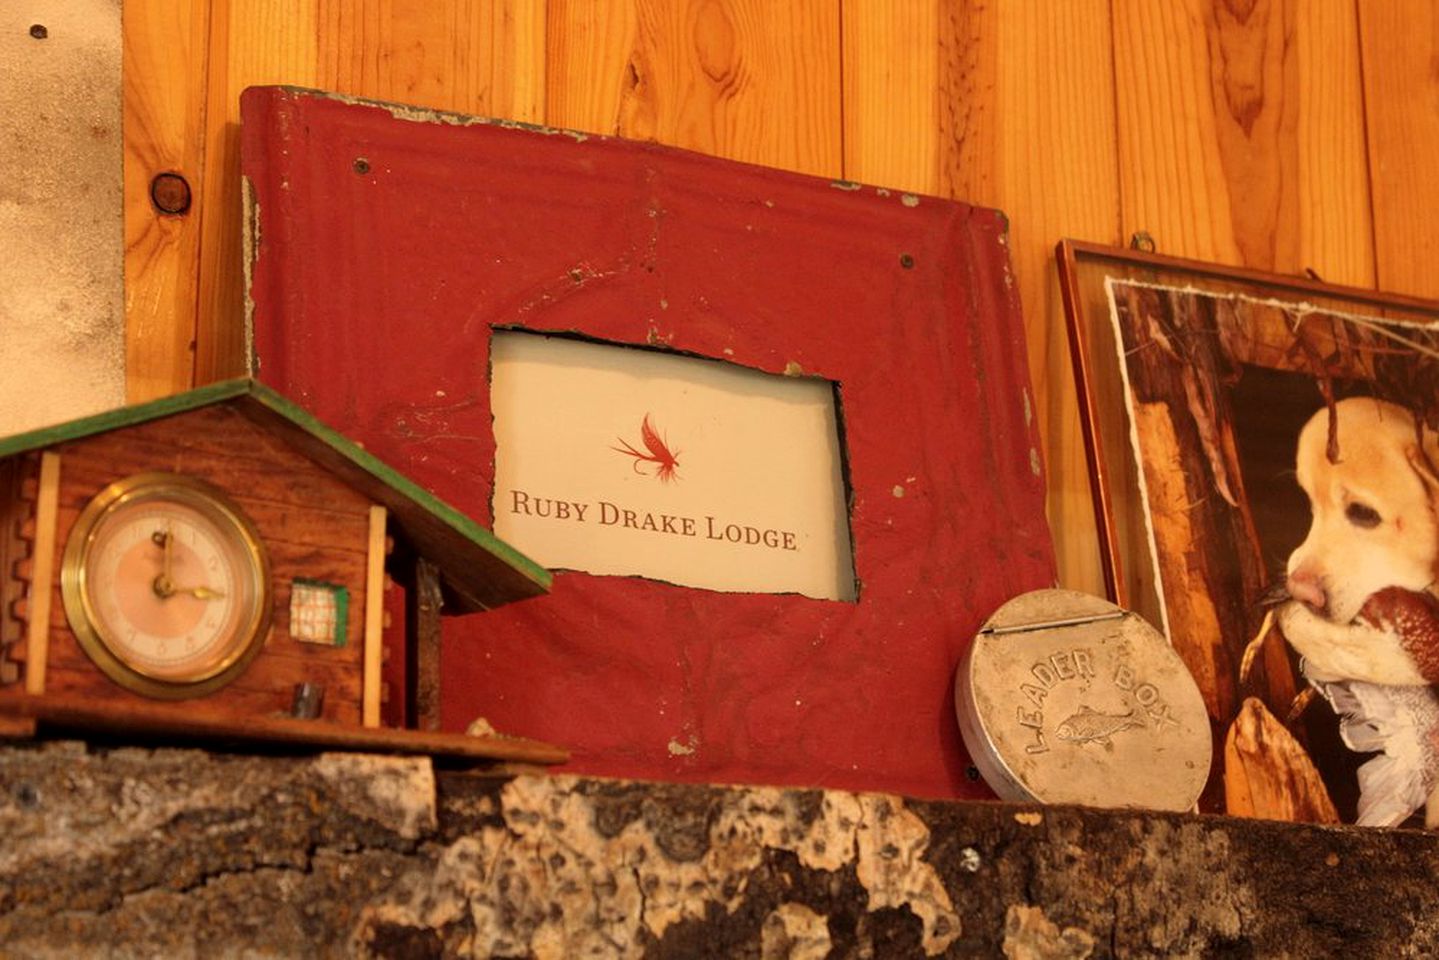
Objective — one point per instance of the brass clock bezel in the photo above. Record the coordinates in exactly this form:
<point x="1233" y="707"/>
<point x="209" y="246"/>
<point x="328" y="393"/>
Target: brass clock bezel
<point x="207" y="499"/>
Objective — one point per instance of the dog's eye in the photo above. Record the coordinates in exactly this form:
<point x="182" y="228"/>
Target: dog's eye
<point x="1362" y="515"/>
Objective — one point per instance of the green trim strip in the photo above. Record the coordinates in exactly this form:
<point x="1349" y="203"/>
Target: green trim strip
<point x="342" y="616"/>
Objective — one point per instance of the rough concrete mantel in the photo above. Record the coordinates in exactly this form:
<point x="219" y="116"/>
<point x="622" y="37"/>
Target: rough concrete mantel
<point x="185" y="853"/>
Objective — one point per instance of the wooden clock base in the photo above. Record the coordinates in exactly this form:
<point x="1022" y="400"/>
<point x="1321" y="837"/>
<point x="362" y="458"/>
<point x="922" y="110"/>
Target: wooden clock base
<point x="25" y="716"/>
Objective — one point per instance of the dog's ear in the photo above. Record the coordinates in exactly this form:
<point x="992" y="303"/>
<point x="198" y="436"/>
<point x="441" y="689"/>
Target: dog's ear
<point x="1424" y="458"/>
<point x="1423" y="465"/>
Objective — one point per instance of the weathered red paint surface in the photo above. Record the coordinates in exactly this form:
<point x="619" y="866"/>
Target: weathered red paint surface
<point x="392" y="244"/>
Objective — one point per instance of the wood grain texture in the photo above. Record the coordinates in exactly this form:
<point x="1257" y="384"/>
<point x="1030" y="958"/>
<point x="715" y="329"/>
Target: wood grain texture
<point x="265" y="689"/>
<point x="166" y="49"/>
<point x="1240" y="133"/>
<point x="1027" y="123"/>
<point x="422" y="626"/>
<point x="744" y="79"/>
<point x="475" y="56"/>
<point x="1189" y="616"/>
<point x="891" y="94"/>
<point x="1256" y="105"/>
<point x="1268" y="774"/>
<point x="37" y="641"/>
<point x="1399" y="42"/>
<point x="251" y="41"/>
<point x="222" y="446"/>
<point x="1336" y="224"/>
<point x="969" y="56"/>
<point x="374" y="601"/>
<point x="78" y="712"/>
<point x="587" y="64"/>
<point x="1172" y="175"/>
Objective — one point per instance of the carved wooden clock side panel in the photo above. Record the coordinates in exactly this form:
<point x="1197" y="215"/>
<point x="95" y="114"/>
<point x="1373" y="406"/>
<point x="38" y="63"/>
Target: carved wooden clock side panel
<point x="17" y="536"/>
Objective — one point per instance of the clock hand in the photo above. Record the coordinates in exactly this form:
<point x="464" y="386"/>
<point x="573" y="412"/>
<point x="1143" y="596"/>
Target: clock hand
<point x="164" y="588"/>
<point x="200" y="593"/>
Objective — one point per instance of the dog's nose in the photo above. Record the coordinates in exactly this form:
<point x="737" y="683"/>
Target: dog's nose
<point x="1308" y="589"/>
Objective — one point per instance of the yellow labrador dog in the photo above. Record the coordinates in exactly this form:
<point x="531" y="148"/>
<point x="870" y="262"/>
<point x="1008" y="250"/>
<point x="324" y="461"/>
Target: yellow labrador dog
<point x="1374" y="527"/>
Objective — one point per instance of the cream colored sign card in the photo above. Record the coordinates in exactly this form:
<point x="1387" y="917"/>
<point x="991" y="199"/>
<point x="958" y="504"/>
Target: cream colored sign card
<point x="618" y="460"/>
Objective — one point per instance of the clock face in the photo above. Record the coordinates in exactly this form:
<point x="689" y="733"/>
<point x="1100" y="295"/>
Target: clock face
<point x="166" y="585"/>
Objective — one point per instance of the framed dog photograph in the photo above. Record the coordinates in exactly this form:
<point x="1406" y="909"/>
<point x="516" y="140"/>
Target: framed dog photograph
<point x="1263" y="467"/>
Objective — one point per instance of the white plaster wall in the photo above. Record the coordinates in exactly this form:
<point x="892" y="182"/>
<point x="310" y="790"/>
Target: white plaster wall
<point x="62" y="349"/>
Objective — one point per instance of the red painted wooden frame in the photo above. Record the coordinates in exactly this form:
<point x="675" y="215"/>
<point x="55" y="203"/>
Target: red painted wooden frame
<point x="391" y="242"/>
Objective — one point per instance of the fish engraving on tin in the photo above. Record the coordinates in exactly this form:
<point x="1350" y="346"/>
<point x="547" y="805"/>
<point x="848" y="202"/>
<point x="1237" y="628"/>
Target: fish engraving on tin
<point x="1091" y="726"/>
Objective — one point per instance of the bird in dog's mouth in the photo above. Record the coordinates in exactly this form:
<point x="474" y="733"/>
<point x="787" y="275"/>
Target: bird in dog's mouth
<point x="1414" y="614"/>
<point x="1376" y="672"/>
<point x="1411" y="616"/>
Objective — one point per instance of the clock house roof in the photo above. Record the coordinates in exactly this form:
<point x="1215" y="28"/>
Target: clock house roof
<point x="479" y="570"/>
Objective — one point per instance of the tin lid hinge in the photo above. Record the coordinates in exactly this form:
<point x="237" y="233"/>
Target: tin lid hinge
<point x="1054" y="624"/>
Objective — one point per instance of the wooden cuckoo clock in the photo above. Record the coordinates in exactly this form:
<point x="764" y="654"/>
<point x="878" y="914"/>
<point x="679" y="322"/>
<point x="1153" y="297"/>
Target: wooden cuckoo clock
<point x="220" y="562"/>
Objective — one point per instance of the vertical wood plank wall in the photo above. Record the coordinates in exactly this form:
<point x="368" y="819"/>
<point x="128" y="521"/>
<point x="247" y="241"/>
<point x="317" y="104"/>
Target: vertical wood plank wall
<point x="1279" y="134"/>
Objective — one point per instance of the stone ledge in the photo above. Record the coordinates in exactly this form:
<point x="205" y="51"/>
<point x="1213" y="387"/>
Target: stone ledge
<point x="175" y="853"/>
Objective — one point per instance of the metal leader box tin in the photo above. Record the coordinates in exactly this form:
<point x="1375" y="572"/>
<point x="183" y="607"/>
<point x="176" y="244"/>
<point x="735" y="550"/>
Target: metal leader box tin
<point x="1067" y="698"/>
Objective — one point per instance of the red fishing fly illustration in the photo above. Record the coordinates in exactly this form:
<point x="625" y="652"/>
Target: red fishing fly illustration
<point x="659" y="453"/>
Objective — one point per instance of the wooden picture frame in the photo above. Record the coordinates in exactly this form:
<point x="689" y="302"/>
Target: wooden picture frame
<point x="1194" y="380"/>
